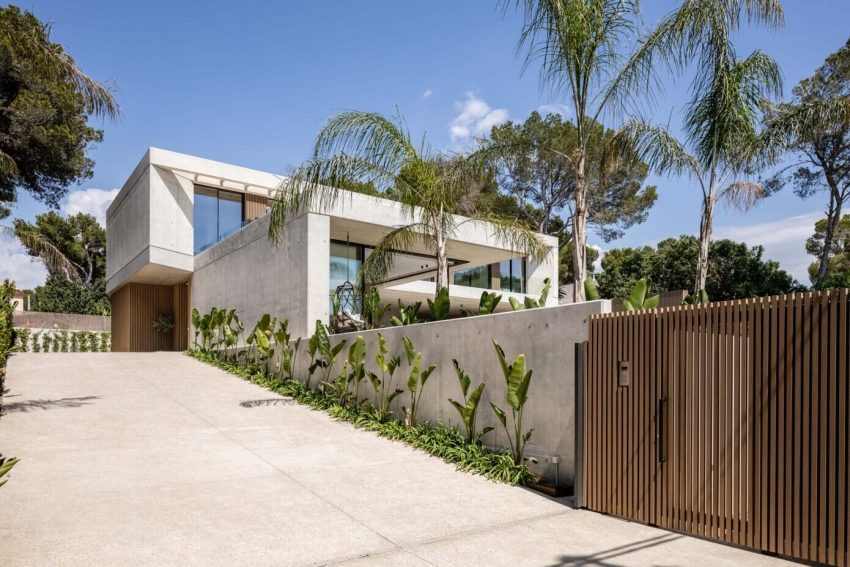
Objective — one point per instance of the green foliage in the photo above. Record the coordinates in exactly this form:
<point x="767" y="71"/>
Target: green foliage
<point x="815" y="128"/>
<point x="436" y="439"/>
<point x="416" y="379"/>
<point x="696" y="298"/>
<point x="259" y="341"/>
<point x="486" y="305"/>
<point x="468" y="410"/>
<point x="7" y="331"/>
<point x="531" y="303"/>
<point x="373" y="310"/>
<point x="591" y="292"/>
<point x="62" y="341"/>
<point x="288" y="350"/>
<point x="58" y="295"/>
<point x="735" y="270"/>
<point x="406" y="314"/>
<point x="322" y="352"/>
<point x="382" y="386"/>
<point x="518" y="381"/>
<point x="22" y="339"/>
<point x="565" y="260"/>
<point x="163" y="323"/>
<point x="639" y="298"/>
<point x="535" y="166"/>
<point x="6" y="465"/>
<point x="439" y="308"/>
<point x="366" y="147"/>
<point x="837" y="272"/>
<point x="47" y="103"/>
<point x="36" y="342"/>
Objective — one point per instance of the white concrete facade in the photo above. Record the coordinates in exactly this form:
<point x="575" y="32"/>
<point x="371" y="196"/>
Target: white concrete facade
<point x="150" y="240"/>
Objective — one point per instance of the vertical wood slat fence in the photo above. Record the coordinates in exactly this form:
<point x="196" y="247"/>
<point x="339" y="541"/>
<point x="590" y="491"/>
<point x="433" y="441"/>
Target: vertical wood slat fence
<point x="733" y="425"/>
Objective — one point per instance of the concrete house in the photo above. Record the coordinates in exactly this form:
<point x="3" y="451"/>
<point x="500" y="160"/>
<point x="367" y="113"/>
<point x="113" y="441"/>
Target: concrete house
<point x="186" y="232"/>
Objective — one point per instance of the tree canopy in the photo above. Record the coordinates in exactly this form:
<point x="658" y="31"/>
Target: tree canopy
<point x="47" y="101"/>
<point x="736" y="270"/>
<point x="76" y="285"/>
<point x="837" y="273"/>
<point x="815" y="128"/>
<point x="535" y="167"/>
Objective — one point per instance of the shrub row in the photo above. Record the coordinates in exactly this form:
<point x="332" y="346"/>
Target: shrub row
<point x="62" y="341"/>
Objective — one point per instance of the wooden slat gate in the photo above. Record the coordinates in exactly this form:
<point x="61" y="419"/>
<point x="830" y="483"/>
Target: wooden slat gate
<point x="727" y="420"/>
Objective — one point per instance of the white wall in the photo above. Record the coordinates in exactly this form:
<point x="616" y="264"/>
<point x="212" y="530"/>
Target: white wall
<point x="249" y="273"/>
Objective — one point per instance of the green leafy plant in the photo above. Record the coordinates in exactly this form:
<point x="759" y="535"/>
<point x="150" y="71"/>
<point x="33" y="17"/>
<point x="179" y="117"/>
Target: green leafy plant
<point x="259" y="341"/>
<point x="591" y="292"/>
<point x="406" y="314"/>
<point x="6" y="465"/>
<point x="486" y="305"/>
<point x="695" y="298"/>
<point x="373" y="310"/>
<point x="639" y="298"/>
<point x="288" y="350"/>
<point x="416" y="380"/>
<point x="468" y="410"/>
<point x="518" y="380"/>
<point x="36" y="342"/>
<point x="439" y="308"/>
<point x="163" y="323"/>
<point x="22" y="337"/>
<point x="382" y="386"/>
<point x="63" y="341"/>
<point x="322" y="352"/>
<point x="530" y="302"/>
<point x="356" y="366"/>
<point x="46" y="342"/>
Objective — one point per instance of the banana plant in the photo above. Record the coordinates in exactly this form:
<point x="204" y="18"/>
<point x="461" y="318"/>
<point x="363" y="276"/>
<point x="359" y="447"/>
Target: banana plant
<point x="406" y="314"/>
<point x="6" y="465"/>
<point x="591" y="292"/>
<point x="320" y="344"/>
<point x="469" y="408"/>
<point x="196" y="325"/>
<point x="530" y="302"/>
<point x="693" y="299"/>
<point x="356" y="366"/>
<point x="373" y="310"/>
<point x="639" y="297"/>
<point x="260" y="338"/>
<point x="518" y="380"/>
<point x="416" y="380"/>
<point x="439" y="308"/>
<point x="486" y="305"/>
<point x="288" y="350"/>
<point x="382" y="386"/>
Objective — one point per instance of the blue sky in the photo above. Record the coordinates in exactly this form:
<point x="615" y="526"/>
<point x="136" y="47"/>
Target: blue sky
<point x="251" y="83"/>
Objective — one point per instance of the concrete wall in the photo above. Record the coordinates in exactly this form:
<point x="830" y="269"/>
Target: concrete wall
<point x="547" y="336"/>
<point x="249" y="273"/>
<point x="62" y="321"/>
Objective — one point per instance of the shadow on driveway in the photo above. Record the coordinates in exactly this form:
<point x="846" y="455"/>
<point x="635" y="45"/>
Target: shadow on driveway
<point x="30" y="405"/>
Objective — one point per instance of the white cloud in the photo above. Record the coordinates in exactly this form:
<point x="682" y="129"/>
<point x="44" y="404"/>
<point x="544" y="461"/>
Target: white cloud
<point x="475" y="118"/>
<point x="597" y="265"/>
<point x="18" y="266"/>
<point x="427" y="93"/>
<point x="90" y="201"/>
<point x="561" y="109"/>
<point x="784" y="240"/>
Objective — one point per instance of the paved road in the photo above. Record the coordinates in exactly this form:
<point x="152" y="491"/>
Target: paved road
<point x="156" y="459"/>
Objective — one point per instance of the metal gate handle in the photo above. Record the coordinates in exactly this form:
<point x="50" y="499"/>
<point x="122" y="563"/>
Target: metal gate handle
<point x="659" y="429"/>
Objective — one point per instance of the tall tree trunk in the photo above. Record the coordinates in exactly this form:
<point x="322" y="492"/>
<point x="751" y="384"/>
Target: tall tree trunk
<point x="705" y="228"/>
<point x="832" y="218"/>
<point x="580" y="230"/>
<point x="442" y="262"/>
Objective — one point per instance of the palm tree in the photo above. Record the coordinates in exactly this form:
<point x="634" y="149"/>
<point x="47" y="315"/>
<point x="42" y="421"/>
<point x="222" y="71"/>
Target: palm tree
<point x="47" y="252"/>
<point x="579" y="46"/>
<point x="431" y="187"/>
<point x="720" y="122"/>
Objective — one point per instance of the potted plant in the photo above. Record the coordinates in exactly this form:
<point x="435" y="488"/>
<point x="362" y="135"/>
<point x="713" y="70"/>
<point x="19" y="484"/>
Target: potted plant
<point x="163" y="323"/>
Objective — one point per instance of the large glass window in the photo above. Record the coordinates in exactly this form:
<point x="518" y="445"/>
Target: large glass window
<point x="345" y="263"/>
<point x="217" y="214"/>
<point x="512" y="275"/>
<point x="473" y="277"/>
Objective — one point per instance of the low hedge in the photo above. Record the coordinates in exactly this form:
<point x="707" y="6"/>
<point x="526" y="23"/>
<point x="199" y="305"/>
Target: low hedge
<point x="438" y="440"/>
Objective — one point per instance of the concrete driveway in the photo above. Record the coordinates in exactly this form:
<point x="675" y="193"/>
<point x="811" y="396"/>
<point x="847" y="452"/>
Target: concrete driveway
<point x="157" y="459"/>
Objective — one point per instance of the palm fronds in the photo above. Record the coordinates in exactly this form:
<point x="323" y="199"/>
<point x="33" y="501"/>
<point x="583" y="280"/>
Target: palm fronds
<point x="40" y="246"/>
